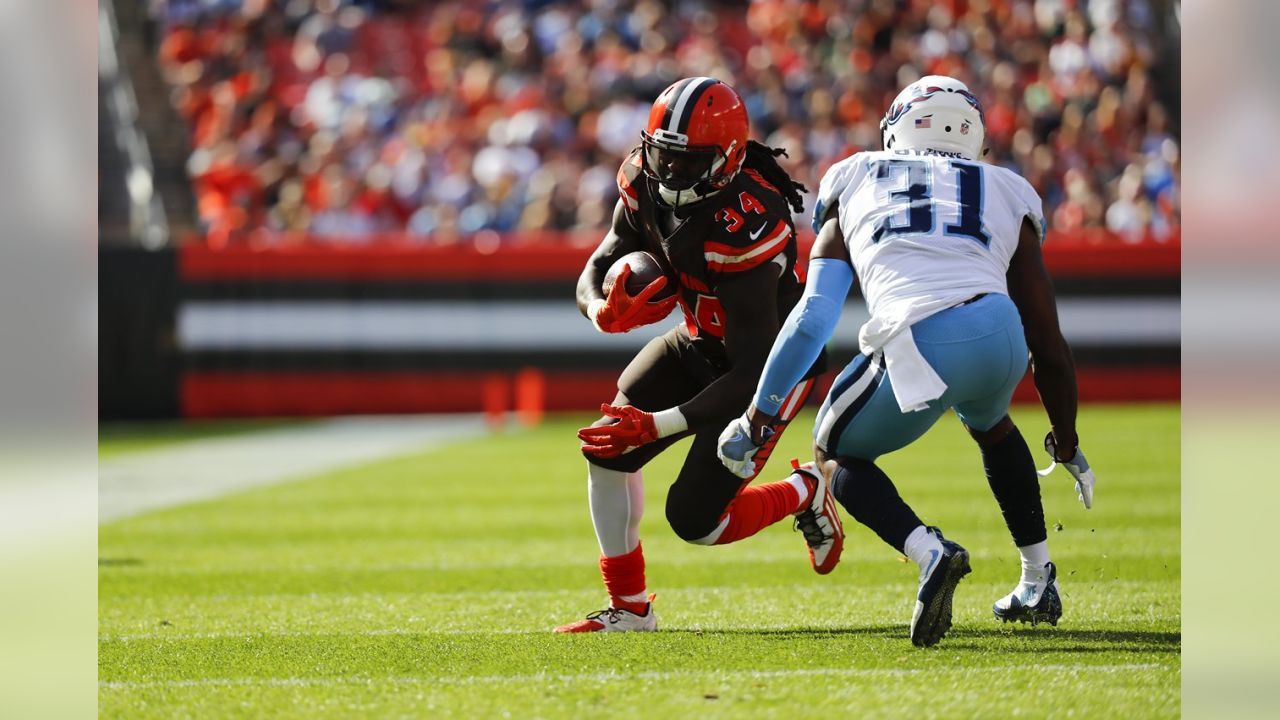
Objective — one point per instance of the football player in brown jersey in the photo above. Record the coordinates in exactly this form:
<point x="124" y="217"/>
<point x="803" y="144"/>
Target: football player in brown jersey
<point x="715" y="209"/>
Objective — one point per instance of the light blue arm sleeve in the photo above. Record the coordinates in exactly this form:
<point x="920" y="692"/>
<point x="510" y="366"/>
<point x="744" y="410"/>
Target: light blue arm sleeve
<point x="805" y="332"/>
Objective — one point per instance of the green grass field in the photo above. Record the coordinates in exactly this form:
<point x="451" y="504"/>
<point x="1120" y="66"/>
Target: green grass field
<point x="123" y="438"/>
<point x="426" y="586"/>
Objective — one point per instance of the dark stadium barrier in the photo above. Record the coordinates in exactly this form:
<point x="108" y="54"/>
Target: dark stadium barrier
<point x="390" y="326"/>
<point x="138" y="355"/>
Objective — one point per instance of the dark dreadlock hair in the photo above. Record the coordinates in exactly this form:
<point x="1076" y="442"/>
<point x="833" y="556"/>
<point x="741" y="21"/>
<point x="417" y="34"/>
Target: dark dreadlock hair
<point x="761" y="158"/>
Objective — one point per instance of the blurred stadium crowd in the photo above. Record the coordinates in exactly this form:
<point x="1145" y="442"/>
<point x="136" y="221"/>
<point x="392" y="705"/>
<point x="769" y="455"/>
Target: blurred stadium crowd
<point x="351" y="120"/>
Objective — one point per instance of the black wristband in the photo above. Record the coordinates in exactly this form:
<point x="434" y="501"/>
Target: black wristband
<point x="1051" y="447"/>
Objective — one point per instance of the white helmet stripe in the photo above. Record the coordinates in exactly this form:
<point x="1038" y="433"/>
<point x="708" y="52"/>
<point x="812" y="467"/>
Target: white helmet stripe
<point x="691" y="90"/>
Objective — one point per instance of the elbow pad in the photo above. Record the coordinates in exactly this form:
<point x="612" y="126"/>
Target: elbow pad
<point x="818" y="317"/>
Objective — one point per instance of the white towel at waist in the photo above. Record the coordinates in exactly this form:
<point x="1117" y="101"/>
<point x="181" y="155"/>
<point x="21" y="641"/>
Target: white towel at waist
<point x="915" y="383"/>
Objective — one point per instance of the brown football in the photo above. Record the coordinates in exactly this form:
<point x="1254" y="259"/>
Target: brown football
<point x="644" y="270"/>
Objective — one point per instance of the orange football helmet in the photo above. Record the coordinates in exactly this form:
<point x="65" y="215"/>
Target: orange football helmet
<point x="695" y="140"/>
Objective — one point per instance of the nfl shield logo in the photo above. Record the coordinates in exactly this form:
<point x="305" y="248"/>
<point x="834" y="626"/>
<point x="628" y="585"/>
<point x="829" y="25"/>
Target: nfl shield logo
<point x="924" y="122"/>
<point x="964" y="128"/>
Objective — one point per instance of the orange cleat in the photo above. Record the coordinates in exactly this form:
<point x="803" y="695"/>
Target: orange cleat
<point x="819" y="521"/>
<point x="615" y="620"/>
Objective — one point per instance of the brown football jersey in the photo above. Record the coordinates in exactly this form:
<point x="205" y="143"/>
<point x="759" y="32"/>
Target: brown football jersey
<point x="742" y="227"/>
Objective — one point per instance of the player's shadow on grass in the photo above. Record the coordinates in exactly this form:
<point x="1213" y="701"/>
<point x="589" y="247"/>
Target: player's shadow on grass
<point x="1068" y="640"/>
<point x="1037" y="640"/>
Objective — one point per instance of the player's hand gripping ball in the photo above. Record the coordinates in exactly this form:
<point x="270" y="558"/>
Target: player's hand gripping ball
<point x="637" y="293"/>
<point x="644" y="270"/>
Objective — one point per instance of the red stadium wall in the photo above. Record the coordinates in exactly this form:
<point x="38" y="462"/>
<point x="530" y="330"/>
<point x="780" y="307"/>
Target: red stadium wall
<point x="274" y="394"/>
<point x="1093" y="255"/>
<point x="1095" y="271"/>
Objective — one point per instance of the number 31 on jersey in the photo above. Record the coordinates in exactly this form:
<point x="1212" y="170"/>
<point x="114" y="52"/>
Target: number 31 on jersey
<point x="916" y="204"/>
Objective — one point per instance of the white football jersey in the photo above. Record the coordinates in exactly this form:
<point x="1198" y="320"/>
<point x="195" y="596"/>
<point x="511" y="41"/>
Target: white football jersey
<point x="925" y="230"/>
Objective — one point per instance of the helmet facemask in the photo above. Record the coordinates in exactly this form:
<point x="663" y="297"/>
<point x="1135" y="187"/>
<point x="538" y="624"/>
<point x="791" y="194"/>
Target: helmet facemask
<point x="684" y="174"/>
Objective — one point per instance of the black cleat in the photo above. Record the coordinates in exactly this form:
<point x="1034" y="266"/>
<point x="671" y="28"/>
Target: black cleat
<point x="1032" y="602"/>
<point x="932" y="616"/>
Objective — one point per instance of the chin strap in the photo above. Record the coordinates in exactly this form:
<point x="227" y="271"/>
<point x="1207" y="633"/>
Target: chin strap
<point x="676" y="198"/>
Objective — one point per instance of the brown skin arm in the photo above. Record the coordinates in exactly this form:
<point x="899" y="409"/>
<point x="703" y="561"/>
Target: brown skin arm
<point x="830" y="241"/>
<point x="621" y="239"/>
<point x="1051" y="364"/>
<point x="750" y="302"/>
<point x="829" y="244"/>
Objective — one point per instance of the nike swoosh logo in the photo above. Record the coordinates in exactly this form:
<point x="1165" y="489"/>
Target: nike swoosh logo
<point x="758" y="231"/>
<point x="933" y="560"/>
<point x="737" y="437"/>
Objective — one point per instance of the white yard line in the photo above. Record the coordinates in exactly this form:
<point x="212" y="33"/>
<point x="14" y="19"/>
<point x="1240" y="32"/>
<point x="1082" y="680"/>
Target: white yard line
<point x="203" y="469"/>
<point x="607" y="676"/>
<point x="707" y="559"/>
<point x="428" y="632"/>
<point x="287" y="634"/>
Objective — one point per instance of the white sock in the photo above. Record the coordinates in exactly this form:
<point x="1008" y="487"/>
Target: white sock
<point x="1034" y="558"/>
<point x="920" y="545"/>
<point x="802" y="490"/>
<point x="617" y="503"/>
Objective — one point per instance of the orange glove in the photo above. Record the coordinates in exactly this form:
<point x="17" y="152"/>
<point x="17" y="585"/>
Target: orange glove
<point x="620" y="312"/>
<point x="635" y="427"/>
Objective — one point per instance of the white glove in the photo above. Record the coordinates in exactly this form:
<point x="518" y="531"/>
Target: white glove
<point x="1078" y="466"/>
<point x="736" y="450"/>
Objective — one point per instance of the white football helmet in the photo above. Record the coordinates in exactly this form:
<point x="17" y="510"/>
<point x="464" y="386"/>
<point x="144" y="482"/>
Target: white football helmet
<point x="935" y="112"/>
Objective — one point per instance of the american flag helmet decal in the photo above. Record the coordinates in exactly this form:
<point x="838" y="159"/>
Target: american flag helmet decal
<point x="924" y="93"/>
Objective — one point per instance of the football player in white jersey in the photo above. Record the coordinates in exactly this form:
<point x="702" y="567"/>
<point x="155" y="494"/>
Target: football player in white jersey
<point x="947" y="252"/>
